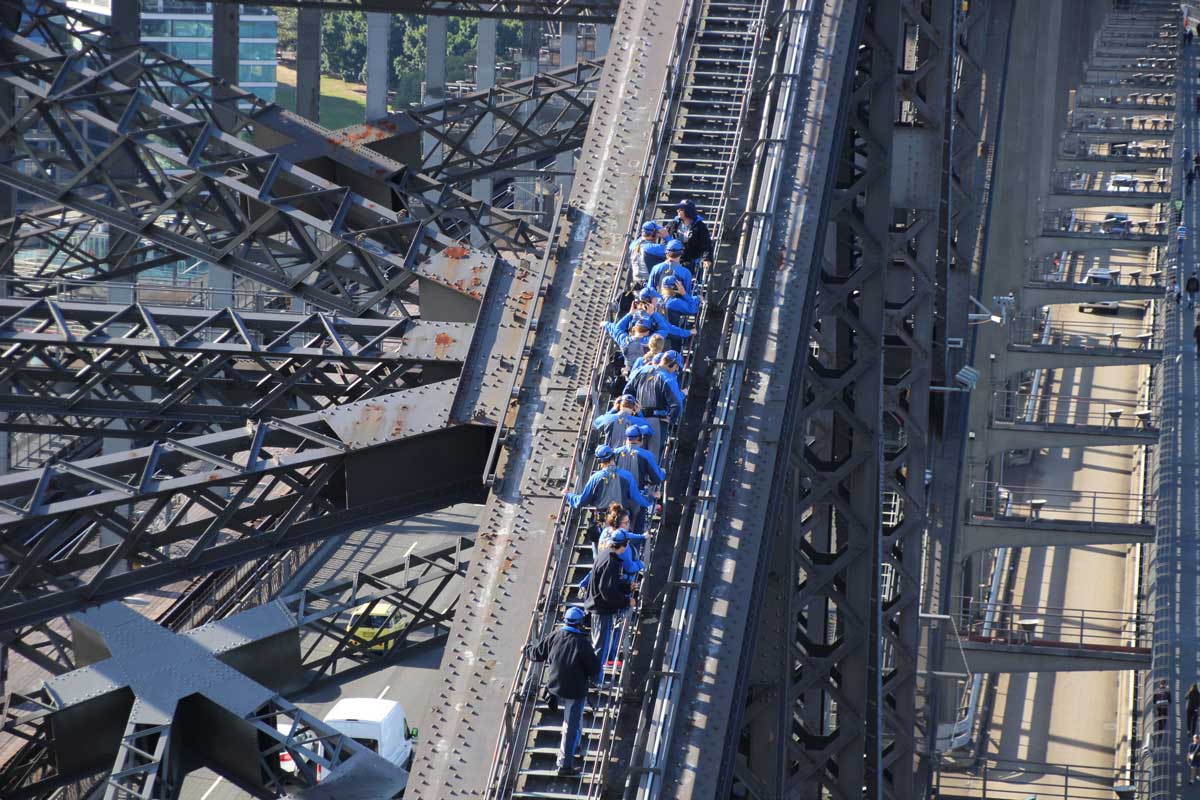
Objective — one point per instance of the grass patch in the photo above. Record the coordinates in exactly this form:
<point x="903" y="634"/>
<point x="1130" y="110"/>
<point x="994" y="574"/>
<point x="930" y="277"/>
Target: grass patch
<point x="342" y="103"/>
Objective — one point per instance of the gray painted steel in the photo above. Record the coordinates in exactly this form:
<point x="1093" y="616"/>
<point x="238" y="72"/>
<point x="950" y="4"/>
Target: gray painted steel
<point x="1175" y="567"/>
<point x="514" y="545"/>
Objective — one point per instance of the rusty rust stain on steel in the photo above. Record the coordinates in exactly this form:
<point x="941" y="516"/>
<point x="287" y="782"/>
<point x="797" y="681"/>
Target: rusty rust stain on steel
<point x="457" y="251"/>
<point x="442" y="344"/>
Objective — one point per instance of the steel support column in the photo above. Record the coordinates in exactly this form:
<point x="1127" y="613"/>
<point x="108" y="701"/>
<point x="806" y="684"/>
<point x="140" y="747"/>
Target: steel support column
<point x="483" y="186"/>
<point x="435" y="79"/>
<point x="225" y="55"/>
<point x="858" y="514"/>
<point x="379" y="65"/>
<point x="308" y="63"/>
<point x="569" y="54"/>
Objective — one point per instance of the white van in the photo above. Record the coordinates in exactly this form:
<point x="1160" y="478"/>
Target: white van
<point x="379" y="725"/>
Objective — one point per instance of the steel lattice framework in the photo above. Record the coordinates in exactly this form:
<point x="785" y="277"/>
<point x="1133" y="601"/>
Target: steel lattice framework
<point x="424" y="590"/>
<point x="853" y="523"/>
<point x="163" y="156"/>
<point x="71" y="368"/>
<point x="529" y="120"/>
<point x="598" y="11"/>
<point x="102" y="528"/>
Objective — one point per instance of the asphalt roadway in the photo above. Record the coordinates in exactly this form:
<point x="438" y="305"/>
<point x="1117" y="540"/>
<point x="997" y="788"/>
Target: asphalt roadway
<point x="412" y="681"/>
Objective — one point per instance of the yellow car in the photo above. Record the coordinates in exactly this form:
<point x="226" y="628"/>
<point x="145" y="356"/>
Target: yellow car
<point x="383" y="620"/>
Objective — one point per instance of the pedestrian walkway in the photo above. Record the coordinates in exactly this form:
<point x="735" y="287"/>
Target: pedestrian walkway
<point x="1176" y="565"/>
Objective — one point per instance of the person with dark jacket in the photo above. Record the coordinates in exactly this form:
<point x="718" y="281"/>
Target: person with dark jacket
<point x="1196" y="333"/>
<point x="657" y="391"/>
<point x="1192" y="708"/>
<point x="1162" y="709"/>
<point x="1193" y="758"/>
<point x="609" y="593"/>
<point x="689" y="227"/>
<point x="571" y="664"/>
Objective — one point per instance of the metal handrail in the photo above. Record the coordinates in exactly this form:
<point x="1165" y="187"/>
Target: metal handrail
<point x="674" y="639"/>
<point x="527" y="675"/>
<point x="1011" y="407"/>
<point x="1011" y="779"/>
<point x="989" y="500"/>
<point x="1022" y="623"/>
<point x="1035" y="331"/>
<point x="1047" y="270"/>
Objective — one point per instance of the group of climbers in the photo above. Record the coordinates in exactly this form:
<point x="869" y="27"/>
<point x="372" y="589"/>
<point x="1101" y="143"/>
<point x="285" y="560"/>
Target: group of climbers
<point x="657" y="315"/>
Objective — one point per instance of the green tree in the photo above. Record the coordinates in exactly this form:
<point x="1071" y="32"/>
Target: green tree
<point x="344" y="44"/>
<point x="287" y="29"/>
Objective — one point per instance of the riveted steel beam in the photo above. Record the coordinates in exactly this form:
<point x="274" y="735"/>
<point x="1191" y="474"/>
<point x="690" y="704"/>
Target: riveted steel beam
<point x="73" y="368"/>
<point x="150" y="158"/>
<point x="530" y="119"/>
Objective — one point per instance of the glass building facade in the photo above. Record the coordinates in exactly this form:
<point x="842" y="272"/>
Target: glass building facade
<point x="183" y="28"/>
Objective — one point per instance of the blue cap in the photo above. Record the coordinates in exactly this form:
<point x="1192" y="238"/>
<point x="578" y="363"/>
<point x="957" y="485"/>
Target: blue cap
<point x="688" y="206"/>
<point x="604" y="452"/>
<point x="627" y="398"/>
<point x="670" y="281"/>
<point x="633" y="432"/>
<point x="575" y="614"/>
<point x="650" y="227"/>
<point x="619" y="537"/>
<point x="648" y="294"/>
<point x="673" y="355"/>
<point x="674" y="246"/>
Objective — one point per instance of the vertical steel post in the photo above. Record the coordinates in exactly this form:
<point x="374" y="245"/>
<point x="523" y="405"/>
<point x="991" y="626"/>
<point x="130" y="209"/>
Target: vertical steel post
<point x="308" y="63"/>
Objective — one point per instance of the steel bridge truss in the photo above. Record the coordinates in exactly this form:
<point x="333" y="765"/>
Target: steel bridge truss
<point x="172" y="162"/>
<point x="528" y="121"/>
<point x="423" y="592"/>
<point x="851" y="530"/>
<point x="597" y="11"/>
<point x="77" y="533"/>
<point x="75" y="368"/>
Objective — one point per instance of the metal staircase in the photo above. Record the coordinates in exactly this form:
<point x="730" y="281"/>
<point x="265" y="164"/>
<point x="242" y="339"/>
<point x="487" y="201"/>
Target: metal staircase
<point x="703" y="136"/>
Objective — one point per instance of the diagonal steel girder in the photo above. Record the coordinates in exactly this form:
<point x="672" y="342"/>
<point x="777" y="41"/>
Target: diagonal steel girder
<point x="79" y="532"/>
<point x="597" y="11"/>
<point x="157" y="157"/>
<point x="529" y="120"/>
<point x="421" y="592"/>
<point x="853" y="513"/>
<point x="122" y="720"/>
<point x="76" y="533"/>
<point x="73" y="368"/>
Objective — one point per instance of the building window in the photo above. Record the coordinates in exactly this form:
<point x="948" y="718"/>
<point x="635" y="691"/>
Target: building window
<point x="192" y="29"/>
<point x="251" y="29"/>
<point x="256" y="51"/>
<point x="156" y="27"/>
<point x="256" y="73"/>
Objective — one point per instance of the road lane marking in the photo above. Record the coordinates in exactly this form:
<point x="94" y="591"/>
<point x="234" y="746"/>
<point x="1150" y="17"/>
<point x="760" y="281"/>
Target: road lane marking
<point x="212" y="788"/>
<point x="380" y="697"/>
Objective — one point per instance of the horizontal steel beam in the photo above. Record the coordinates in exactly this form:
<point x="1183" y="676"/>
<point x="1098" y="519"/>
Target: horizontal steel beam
<point x="76" y="533"/>
<point x="63" y="365"/>
<point x="989" y="657"/>
<point x="979" y="535"/>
